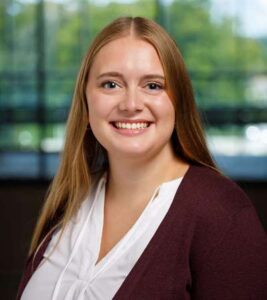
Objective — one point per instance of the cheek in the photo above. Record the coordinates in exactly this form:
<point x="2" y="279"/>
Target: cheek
<point x="165" y="110"/>
<point x="97" y="106"/>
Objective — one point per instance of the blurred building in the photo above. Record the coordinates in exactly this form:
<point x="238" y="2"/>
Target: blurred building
<point x="42" y="43"/>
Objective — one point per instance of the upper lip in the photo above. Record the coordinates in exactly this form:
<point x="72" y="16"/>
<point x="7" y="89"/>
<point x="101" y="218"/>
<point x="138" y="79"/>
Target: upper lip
<point x="131" y="121"/>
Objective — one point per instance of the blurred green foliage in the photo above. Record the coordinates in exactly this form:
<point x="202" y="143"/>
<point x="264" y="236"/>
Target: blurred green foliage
<point x="221" y="62"/>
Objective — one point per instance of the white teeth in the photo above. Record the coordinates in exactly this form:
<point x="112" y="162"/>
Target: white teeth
<point x="140" y="125"/>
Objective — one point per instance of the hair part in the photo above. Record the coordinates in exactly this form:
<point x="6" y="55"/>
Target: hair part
<point x="83" y="156"/>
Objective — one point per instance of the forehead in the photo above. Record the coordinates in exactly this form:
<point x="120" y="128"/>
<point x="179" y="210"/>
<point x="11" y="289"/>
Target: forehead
<point x="127" y="54"/>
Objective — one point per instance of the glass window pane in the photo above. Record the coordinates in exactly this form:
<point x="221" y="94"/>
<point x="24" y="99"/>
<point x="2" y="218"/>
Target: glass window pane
<point x="223" y="42"/>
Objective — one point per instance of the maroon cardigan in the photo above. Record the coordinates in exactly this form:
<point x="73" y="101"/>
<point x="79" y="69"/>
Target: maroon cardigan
<point x="210" y="245"/>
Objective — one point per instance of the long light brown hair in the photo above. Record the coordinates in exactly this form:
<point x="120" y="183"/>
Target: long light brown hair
<point x="83" y="155"/>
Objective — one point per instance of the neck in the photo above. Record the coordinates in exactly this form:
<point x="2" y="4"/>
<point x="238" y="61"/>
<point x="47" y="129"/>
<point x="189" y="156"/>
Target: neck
<point x="134" y="181"/>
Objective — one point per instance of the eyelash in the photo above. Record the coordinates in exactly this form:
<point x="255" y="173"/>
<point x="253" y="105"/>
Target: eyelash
<point x="109" y="82"/>
<point x="157" y="85"/>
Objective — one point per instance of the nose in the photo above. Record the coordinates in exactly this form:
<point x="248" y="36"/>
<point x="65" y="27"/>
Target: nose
<point x="132" y="101"/>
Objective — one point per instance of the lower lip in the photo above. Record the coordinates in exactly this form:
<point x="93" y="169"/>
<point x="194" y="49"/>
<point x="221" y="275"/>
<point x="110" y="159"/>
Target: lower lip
<point x="130" y="132"/>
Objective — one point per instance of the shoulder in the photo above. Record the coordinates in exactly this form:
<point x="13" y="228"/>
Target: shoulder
<point x="228" y="243"/>
<point x="221" y="214"/>
<point x="215" y="209"/>
<point x="212" y="192"/>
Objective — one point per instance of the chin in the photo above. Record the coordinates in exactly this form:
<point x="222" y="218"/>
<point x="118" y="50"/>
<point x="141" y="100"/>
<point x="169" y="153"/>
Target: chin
<point x="130" y="152"/>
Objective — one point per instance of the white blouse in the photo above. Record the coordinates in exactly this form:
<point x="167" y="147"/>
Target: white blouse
<point x="70" y="271"/>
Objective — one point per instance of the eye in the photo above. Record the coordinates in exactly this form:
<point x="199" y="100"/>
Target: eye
<point x="154" y="86"/>
<point x="109" y="85"/>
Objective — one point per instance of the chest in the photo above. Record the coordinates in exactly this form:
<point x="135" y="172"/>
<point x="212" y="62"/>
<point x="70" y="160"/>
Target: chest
<point x="117" y="221"/>
<point x="144" y="253"/>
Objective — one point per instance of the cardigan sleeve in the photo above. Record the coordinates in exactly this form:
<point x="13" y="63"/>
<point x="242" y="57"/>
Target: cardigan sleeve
<point x="237" y="267"/>
<point x="32" y="263"/>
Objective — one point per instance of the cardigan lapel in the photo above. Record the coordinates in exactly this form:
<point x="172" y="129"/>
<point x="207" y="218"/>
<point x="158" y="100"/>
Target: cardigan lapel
<point x="130" y="282"/>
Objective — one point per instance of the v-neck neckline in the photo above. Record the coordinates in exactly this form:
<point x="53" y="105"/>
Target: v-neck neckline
<point x="155" y="242"/>
<point x="111" y="256"/>
<point x="114" y="253"/>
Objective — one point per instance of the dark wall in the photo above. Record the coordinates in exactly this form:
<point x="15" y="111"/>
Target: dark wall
<point x="20" y="205"/>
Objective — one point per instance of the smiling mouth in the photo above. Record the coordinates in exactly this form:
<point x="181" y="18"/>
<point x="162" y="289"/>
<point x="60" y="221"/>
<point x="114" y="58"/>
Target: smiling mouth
<point x="131" y="126"/>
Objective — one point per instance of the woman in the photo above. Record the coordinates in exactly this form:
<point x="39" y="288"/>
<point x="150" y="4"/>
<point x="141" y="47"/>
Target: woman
<point x="137" y="209"/>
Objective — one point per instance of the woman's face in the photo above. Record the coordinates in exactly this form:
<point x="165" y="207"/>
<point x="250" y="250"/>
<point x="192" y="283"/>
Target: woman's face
<point x="130" y="112"/>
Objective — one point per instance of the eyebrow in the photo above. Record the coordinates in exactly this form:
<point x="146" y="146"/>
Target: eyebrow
<point x="119" y="75"/>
